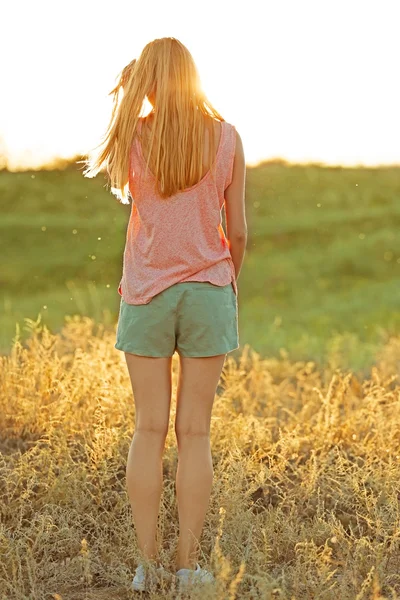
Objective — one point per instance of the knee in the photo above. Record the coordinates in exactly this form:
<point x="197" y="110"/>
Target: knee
<point x="158" y="430"/>
<point x="190" y="431"/>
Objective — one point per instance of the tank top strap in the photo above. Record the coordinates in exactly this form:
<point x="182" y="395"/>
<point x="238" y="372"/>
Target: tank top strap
<point x="226" y="155"/>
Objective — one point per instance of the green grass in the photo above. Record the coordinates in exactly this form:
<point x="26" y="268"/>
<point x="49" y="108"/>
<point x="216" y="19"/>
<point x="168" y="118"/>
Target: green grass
<point x="321" y="276"/>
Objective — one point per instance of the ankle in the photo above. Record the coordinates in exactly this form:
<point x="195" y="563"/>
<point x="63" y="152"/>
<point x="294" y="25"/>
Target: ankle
<point x="152" y="561"/>
<point x="185" y="564"/>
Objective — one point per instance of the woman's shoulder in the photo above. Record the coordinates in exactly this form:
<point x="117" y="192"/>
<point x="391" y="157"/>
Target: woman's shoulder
<point x="230" y="132"/>
<point x="226" y="130"/>
<point x="230" y="125"/>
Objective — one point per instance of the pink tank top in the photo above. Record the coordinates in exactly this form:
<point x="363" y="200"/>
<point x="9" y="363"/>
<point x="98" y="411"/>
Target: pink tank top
<point x="179" y="238"/>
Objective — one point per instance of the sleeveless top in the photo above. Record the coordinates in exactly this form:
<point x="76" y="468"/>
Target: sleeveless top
<point x="180" y="238"/>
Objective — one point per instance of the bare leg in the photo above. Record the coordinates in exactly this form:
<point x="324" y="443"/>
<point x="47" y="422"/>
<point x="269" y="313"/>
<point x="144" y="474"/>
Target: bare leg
<point x="198" y="380"/>
<point x="151" y="386"/>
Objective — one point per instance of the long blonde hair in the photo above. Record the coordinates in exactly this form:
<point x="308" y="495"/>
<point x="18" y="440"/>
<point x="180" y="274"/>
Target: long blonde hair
<point x="165" y="71"/>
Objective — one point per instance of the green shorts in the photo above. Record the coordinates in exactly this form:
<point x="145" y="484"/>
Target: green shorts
<point x="192" y="318"/>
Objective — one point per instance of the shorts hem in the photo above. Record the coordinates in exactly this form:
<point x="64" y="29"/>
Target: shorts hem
<point x="141" y="353"/>
<point x="206" y="355"/>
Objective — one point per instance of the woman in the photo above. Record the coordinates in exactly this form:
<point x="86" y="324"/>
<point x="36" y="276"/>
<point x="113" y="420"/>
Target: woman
<point x="179" y="165"/>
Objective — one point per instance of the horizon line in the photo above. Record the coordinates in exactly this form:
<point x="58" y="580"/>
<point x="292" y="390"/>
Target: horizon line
<point x="61" y="163"/>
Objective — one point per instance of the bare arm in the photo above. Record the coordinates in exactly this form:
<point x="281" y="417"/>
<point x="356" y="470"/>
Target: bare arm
<point x="236" y="225"/>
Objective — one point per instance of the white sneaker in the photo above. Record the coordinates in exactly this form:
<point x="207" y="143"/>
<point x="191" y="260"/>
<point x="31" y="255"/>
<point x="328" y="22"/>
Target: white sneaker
<point x="189" y="577"/>
<point x="141" y="583"/>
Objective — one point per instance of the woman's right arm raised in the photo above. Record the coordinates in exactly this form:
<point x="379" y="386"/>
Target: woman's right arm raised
<point x="236" y="225"/>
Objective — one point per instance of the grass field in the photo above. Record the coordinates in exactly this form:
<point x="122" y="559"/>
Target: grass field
<point x="321" y="277"/>
<point x="305" y="499"/>
<point x="305" y="429"/>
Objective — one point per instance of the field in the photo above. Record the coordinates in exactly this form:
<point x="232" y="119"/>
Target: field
<point x="305" y="430"/>
<point x="321" y="277"/>
<point x="305" y="501"/>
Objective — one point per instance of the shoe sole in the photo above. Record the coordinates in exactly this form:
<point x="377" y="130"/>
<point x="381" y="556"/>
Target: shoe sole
<point x="185" y="586"/>
<point x="136" y="587"/>
<point x="141" y="587"/>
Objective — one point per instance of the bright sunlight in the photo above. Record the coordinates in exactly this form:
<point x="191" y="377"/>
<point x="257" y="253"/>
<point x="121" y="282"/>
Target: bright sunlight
<point x="309" y="81"/>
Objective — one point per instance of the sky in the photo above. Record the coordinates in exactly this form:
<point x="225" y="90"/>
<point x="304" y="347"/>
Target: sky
<point x="303" y="80"/>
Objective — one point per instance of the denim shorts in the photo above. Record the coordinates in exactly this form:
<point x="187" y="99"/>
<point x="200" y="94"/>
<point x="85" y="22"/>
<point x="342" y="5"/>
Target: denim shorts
<point x="192" y="318"/>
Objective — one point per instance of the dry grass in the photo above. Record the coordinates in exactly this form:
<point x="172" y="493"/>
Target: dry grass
<point x="305" y="502"/>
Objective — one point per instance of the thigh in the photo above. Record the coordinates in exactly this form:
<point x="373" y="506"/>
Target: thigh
<point x="197" y="384"/>
<point x="151" y="381"/>
<point x="207" y="320"/>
